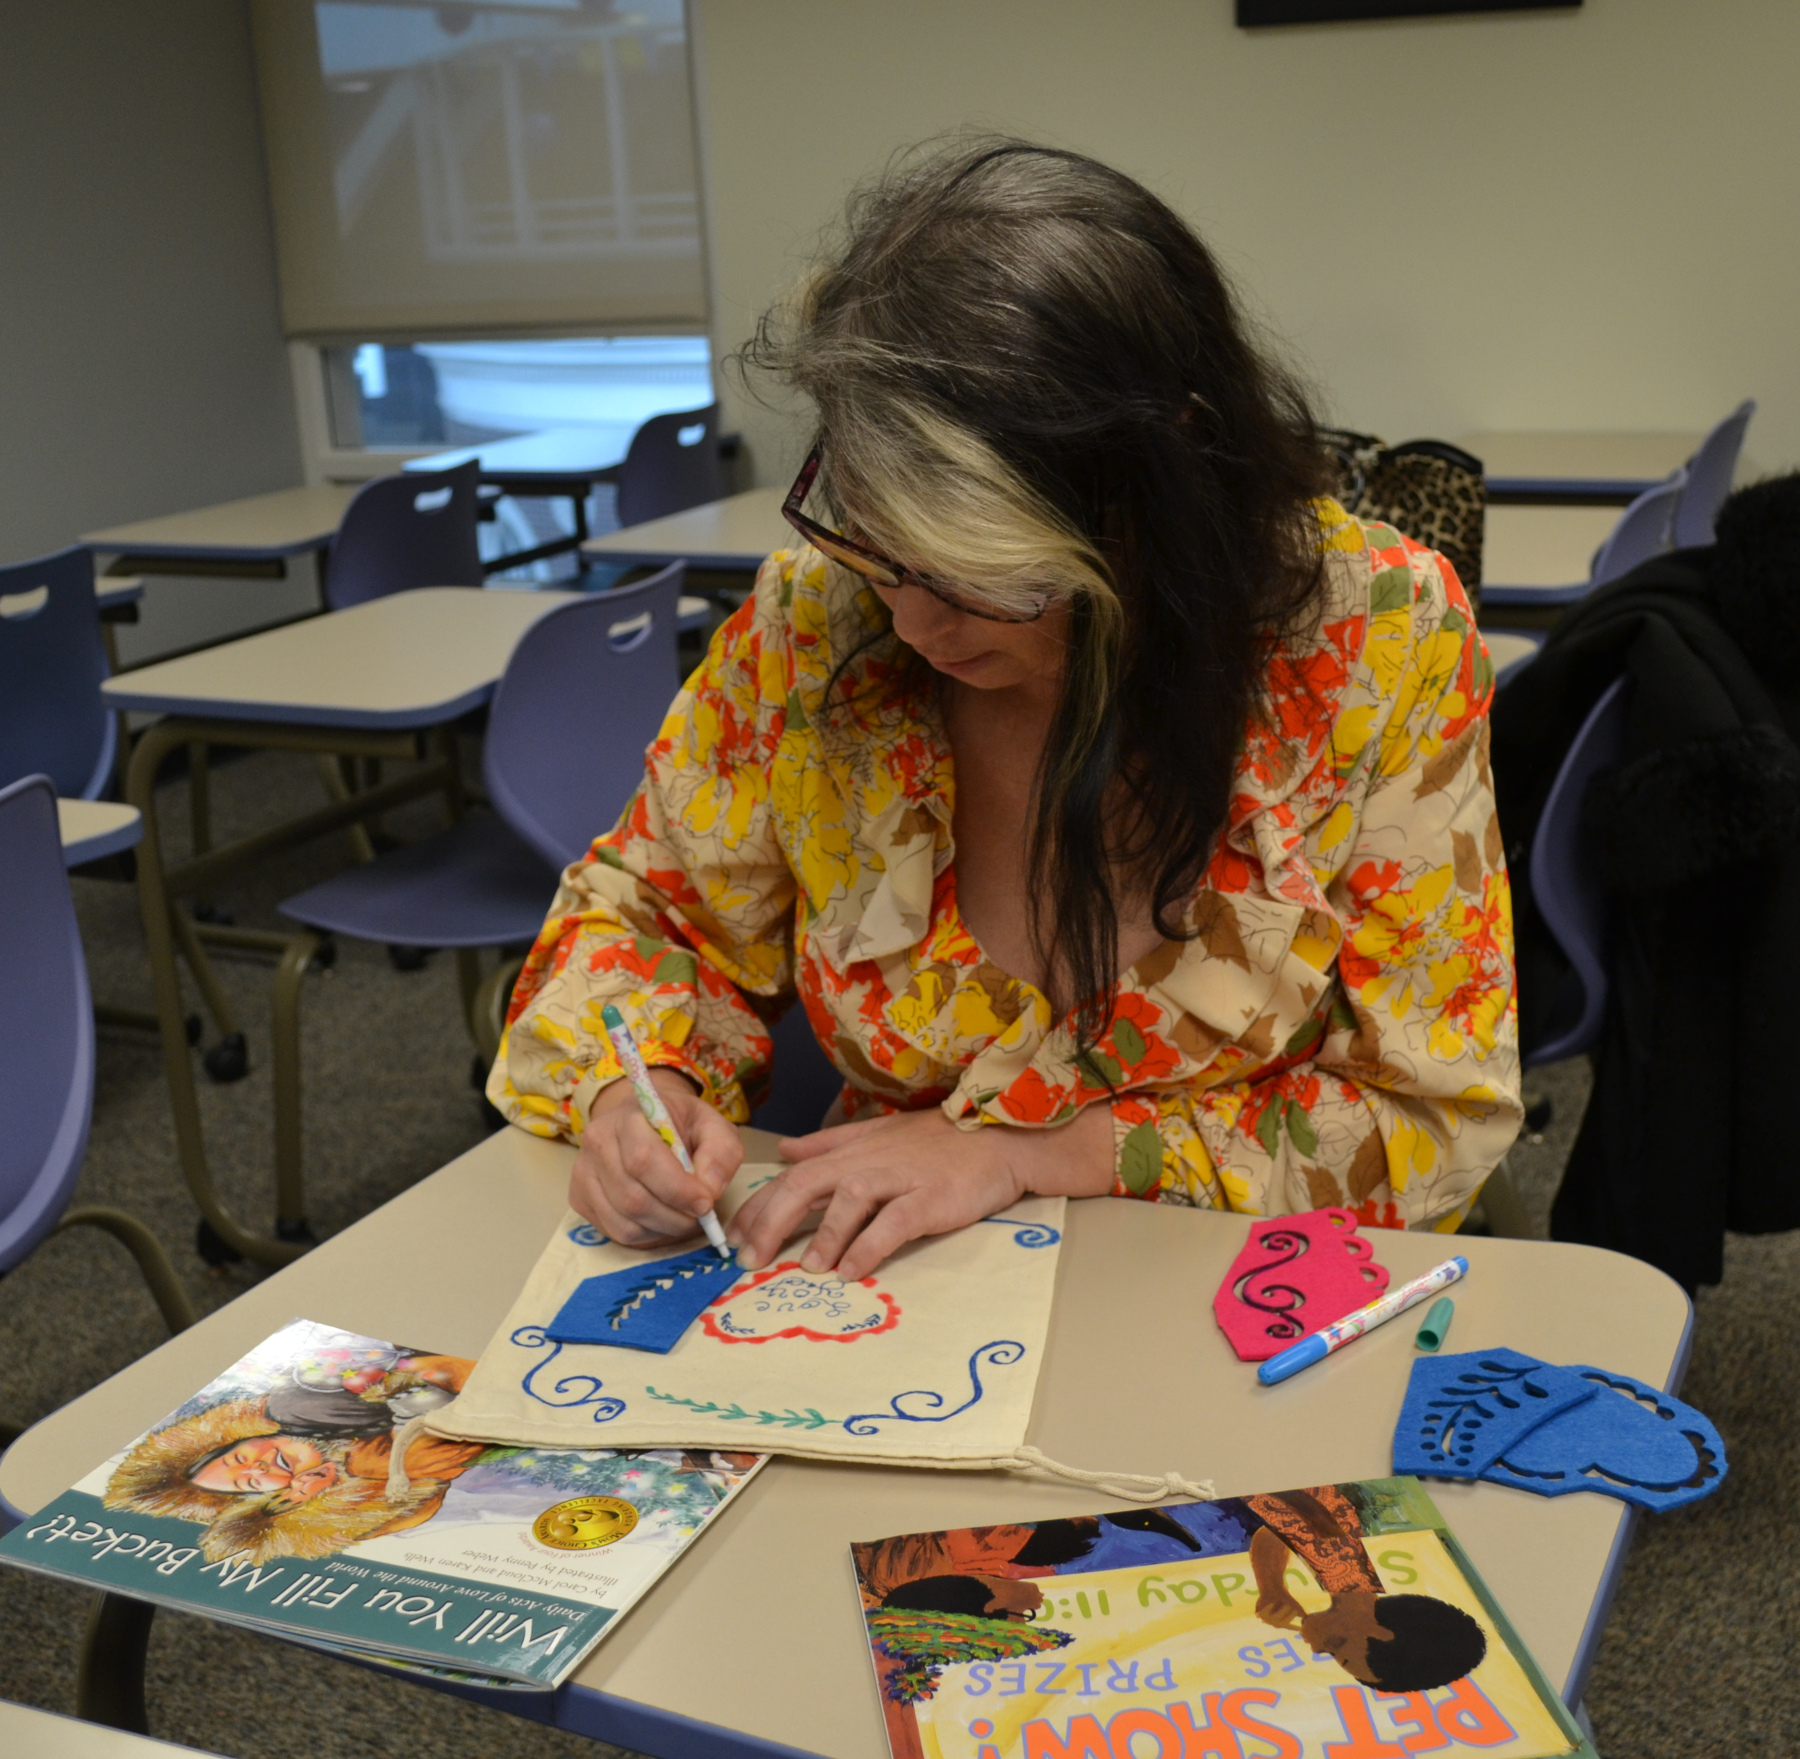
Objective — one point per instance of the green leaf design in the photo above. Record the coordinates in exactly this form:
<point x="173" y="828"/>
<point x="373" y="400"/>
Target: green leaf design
<point x="1140" y="1159"/>
<point x="1305" y="1036"/>
<point x="796" y="713"/>
<point x="1300" y="1128"/>
<point x="1268" y="1127"/>
<point x="1454" y="623"/>
<point x="1100" y="1069"/>
<point x="1390" y="590"/>
<point x="1343" y="1016"/>
<point x="1129" y="1043"/>
<point x="677" y="965"/>
<point x="735" y="1413"/>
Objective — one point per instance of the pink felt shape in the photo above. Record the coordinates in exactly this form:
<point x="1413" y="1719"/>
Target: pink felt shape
<point x="1295" y="1274"/>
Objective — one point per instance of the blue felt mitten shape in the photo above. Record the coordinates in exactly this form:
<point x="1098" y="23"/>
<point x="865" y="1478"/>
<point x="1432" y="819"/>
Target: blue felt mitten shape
<point x="1630" y="1441"/>
<point x="1462" y="1413"/>
<point x="644" y="1307"/>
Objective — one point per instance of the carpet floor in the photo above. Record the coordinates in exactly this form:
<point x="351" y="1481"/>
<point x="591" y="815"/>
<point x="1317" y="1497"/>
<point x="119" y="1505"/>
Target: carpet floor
<point x="1697" y="1660"/>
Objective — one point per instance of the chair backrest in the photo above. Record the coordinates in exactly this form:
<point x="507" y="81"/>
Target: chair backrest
<point x="1564" y="884"/>
<point x="585" y="691"/>
<point x="1709" y="474"/>
<point x="673" y="464"/>
<point x="46" y="1023"/>
<point x="53" y="720"/>
<point x="805" y="1084"/>
<point x="405" y="531"/>
<point x="1643" y="531"/>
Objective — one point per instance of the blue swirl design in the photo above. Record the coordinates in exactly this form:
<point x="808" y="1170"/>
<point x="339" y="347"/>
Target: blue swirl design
<point x="1029" y="1233"/>
<point x="1002" y="1353"/>
<point x="572" y="1389"/>
<point x="587" y="1235"/>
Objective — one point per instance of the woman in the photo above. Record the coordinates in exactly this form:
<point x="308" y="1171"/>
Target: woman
<point x="1118" y="807"/>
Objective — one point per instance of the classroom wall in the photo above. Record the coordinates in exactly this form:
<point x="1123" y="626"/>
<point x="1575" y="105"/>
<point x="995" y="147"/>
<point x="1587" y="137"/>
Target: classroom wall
<point x="1558" y="220"/>
<point x="142" y="369"/>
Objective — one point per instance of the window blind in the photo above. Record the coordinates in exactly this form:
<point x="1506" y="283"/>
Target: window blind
<point x="440" y="168"/>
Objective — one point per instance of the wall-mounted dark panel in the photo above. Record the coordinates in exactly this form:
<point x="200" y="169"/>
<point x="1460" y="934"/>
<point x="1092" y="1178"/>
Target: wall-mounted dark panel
<point x="1260" y="12"/>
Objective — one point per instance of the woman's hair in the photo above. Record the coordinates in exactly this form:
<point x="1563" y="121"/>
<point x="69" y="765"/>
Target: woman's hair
<point x="964" y="1594"/>
<point x="1030" y="373"/>
<point x="1433" y="1643"/>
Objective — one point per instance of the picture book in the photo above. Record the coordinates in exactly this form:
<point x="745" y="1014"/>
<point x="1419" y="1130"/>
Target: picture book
<point x="1337" y="1622"/>
<point x="272" y="1498"/>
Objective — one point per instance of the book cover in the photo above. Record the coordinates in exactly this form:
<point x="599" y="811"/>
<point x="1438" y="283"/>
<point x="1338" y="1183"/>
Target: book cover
<point x="1338" y="1622"/>
<point x="267" y="1499"/>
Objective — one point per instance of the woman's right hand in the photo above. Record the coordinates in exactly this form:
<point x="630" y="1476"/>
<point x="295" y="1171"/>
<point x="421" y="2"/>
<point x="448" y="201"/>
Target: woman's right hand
<point x="627" y="1181"/>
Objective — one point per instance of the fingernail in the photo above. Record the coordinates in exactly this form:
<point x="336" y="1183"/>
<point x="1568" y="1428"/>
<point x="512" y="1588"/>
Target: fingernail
<point x="748" y="1259"/>
<point x="812" y="1261"/>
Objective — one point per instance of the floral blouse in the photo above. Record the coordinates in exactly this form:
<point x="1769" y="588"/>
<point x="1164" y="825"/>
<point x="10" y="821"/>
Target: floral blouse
<point x="1339" y="1028"/>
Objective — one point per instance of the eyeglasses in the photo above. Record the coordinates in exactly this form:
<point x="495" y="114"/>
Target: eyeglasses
<point x="876" y="568"/>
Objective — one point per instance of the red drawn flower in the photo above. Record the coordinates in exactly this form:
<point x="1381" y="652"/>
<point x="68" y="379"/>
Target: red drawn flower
<point x="715" y="1329"/>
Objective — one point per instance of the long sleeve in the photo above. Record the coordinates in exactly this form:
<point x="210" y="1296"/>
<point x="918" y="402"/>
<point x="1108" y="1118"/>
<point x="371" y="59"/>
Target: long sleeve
<point x="1397" y="1092"/>
<point x="680" y="915"/>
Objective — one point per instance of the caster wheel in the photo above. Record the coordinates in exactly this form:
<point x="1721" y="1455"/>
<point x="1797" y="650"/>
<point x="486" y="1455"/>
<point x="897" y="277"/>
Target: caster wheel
<point x="408" y="958"/>
<point x="325" y="955"/>
<point x="192" y="1024"/>
<point x="299" y="1230"/>
<point x="212" y="1249"/>
<point x="229" y="1059"/>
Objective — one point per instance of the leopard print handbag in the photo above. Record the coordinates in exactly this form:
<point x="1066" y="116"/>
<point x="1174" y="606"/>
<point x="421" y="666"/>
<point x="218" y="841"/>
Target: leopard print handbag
<point x="1434" y="492"/>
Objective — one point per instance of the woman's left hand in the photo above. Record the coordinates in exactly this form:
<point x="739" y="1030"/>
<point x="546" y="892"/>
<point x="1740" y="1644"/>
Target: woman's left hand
<point x="897" y="1178"/>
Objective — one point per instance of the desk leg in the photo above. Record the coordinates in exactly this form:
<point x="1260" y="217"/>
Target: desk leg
<point x="110" y="1685"/>
<point x="159" y="938"/>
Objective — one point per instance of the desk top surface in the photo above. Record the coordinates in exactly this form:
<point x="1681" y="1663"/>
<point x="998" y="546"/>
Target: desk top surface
<point x="1543" y="546"/>
<point x="413" y="659"/>
<point x="577" y="453"/>
<point x="1136" y="1378"/>
<point x="259" y="528"/>
<point x="737" y="532"/>
<point x="92" y="828"/>
<point x="37" y="1734"/>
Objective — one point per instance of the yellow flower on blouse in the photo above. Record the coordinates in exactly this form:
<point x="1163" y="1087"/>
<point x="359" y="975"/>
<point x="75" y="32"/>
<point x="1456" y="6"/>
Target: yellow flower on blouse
<point x="1337" y="1027"/>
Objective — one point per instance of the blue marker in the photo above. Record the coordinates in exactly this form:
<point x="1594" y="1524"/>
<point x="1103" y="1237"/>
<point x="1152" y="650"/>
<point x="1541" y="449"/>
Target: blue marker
<point x="1335" y="1336"/>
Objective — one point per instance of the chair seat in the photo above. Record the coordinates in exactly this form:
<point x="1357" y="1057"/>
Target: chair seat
<point x="474" y="885"/>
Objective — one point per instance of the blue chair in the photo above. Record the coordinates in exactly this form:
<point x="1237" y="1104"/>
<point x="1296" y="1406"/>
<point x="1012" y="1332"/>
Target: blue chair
<point x="672" y="464"/>
<point x="53" y="719"/>
<point x="1709" y="474"/>
<point x="47" y="1052"/>
<point x="1568" y="892"/>
<point x="405" y="531"/>
<point x="586" y="690"/>
<point x="1644" y="530"/>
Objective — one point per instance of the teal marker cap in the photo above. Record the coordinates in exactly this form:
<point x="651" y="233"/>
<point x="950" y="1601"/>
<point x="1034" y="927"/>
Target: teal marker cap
<point x="1436" y="1327"/>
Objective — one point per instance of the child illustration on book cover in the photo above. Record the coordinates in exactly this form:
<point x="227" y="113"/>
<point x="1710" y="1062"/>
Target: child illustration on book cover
<point x="1236" y="1616"/>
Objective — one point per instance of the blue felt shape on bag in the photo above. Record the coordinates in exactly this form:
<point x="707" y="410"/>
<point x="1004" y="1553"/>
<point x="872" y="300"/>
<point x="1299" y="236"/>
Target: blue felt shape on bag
<point x="1630" y="1441"/>
<point x="1462" y="1413"/>
<point x="644" y="1307"/>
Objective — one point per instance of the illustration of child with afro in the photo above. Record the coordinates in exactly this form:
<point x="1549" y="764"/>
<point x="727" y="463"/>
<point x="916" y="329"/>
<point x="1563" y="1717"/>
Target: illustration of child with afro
<point x="303" y="1470"/>
<point x="1393" y="1642"/>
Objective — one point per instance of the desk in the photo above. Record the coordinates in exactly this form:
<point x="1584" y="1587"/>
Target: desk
<point x="362" y="682"/>
<point x="560" y="464"/>
<point x="768" y="1595"/>
<point x="731" y="536"/>
<point x="93" y="828"/>
<point x="1543" y="545"/>
<point x="1606" y="469"/>
<point x="114" y="591"/>
<point x="36" y="1734"/>
<point x="264" y="529"/>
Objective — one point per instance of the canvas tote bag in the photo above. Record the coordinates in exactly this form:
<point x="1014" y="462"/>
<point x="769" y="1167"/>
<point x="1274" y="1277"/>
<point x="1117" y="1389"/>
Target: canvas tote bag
<point x="932" y="1361"/>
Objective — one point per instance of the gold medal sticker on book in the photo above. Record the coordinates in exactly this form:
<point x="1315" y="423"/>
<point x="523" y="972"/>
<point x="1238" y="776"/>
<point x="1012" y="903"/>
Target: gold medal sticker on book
<point x="1343" y="1619"/>
<point x="584" y="1522"/>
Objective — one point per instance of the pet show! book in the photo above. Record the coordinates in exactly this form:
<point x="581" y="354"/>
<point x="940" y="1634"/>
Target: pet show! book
<point x="271" y="1499"/>
<point x="1338" y="1622"/>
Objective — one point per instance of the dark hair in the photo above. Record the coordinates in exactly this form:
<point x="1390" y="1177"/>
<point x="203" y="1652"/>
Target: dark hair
<point x="1058" y="1542"/>
<point x="1028" y="369"/>
<point x="965" y="1594"/>
<point x="1433" y="1643"/>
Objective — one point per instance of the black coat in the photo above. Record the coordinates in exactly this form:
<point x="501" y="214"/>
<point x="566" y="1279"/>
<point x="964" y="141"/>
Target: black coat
<point x="1689" y="1131"/>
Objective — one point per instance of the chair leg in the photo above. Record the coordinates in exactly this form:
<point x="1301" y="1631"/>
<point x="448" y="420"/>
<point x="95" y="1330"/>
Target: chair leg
<point x="487" y="1013"/>
<point x="199" y="797"/>
<point x="290" y="1192"/>
<point x="165" y="1286"/>
<point x="197" y="962"/>
<point x="110" y="1685"/>
<point x="1506" y="1213"/>
<point x="468" y="978"/>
